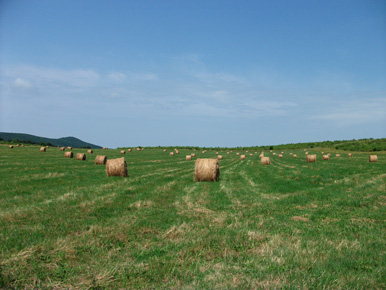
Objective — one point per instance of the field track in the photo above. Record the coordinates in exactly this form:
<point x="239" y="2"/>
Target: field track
<point x="65" y="224"/>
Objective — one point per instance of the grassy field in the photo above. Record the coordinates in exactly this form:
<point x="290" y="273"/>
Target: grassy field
<point x="65" y="224"/>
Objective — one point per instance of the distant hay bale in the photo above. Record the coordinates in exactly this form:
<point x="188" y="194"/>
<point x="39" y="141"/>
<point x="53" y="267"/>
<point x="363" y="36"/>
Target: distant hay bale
<point x="282" y="152"/>
<point x="90" y="151"/>
<point x="238" y="154"/>
<point x="68" y="154"/>
<point x="138" y="149"/>
<point x="216" y="153"/>
<point x="273" y="153"/>
<point x="171" y="154"/>
<point x="129" y="150"/>
<point x="295" y="156"/>
<point x="242" y="157"/>
<point x="100" y="159"/>
<point x="104" y="148"/>
<point x="165" y="150"/>
<point x="270" y="151"/>
<point x="42" y="149"/>
<point x="177" y="152"/>
<point x="326" y="157"/>
<point x="311" y="158"/>
<point x="250" y="154"/>
<point x="206" y="170"/>
<point x="373" y="158"/>
<point x="280" y="155"/>
<point x="219" y="157"/>
<point x="62" y="148"/>
<point x="265" y="161"/>
<point x="10" y="146"/>
<point x="349" y="155"/>
<point x="246" y="151"/>
<point x="322" y="152"/>
<point x="305" y="149"/>
<point x="203" y="152"/>
<point x="337" y="155"/>
<point x="261" y="155"/>
<point x="193" y="155"/>
<point x="291" y="154"/>
<point x="306" y="153"/>
<point x="80" y="156"/>
<point x="188" y="157"/>
<point x="116" y="167"/>
<point x="123" y="152"/>
<point x="227" y="153"/>
<point x="18" y="145"/>
<point x="69" y="148"/>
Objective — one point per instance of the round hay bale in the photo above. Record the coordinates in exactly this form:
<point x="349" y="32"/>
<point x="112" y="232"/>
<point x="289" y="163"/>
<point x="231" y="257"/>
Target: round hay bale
<point x="206" y="170"/>
<point x="193" y="155"/>
<point x="69" y="148"/>
<point x="62" y="148"/>
<point x="10" y="146"/>
<point x="246" y="151"/>
<point x="282" y="152"/>
<point x="265" y="161"/>
<point x="80" y="156"/>
<point x="42" y="149"/>
<point x="295" y="156"/>
<point x="273" y="153"/>
<point x="311" y="158"/>
<point x="90" y="151"/>
<point x="129" y="150"/>
<point x="104" y="148"/>
<point x="177" y="152"/>
<point x="291" y="154"/>
<point x="373" y="158"/>
<point x="326" y="157"/>
<point x="219" y="157"/>
<point x="306" y="153"/>
<point x="349" y="155"/>
<point x="171" y="154"/>
<point x="280" y="155"/>
<point x="138" y="149"/>
<point x="242" y="157"/>
<point x="203" y="152"/>
<point x="116" y="167"/>
<point x="322" y="152"/>
<point x="123" y="152"/>
<point x="261" y="155"/>
<point x="270" y="151"/>
<point x="188" y="157"/>
<point x="100" y="159"/>
<point x="250" y="154"/>
<point x="337" y="155"/>
<point x="227" y="153"/>
<point x="216" y="153"/>
<point x="164" y="150"/>
<point x="68" y="154"/>
<point x="238" y="154"/>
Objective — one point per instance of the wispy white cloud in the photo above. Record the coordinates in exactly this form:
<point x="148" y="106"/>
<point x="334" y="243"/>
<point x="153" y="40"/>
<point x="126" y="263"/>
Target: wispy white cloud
<point x="22" y="83"/>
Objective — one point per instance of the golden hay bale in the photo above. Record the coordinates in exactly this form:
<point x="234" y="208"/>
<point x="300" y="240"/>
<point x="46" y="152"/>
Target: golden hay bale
<point x="349" y="155"/>
<point x="242" y="157"/>
<point x="216" y="153"/>
<point x="305" y="149"/>
<point x="280" y="155"/>
<point x="80" y="156"/>
<point x="291" y="154"/>
<point x="177" y="152"/>
<point x="311" y="158"/>
<point x="68" y="154"/>
<point x="10" y="146"/>
<point x="116" y="167"/>
<point x="326" y="157"/>
<point x="188" y="157"/>
<point x="373" y="158"/>
<point x="282" y="152"/>
<point x="265" y="161"/>
<point x="337" y="155"/>
<point x="227" y="153"/>
<point x="138" y="149"/>
<point x="274" y="154"/>
<point x="104" y="148"/>
<point x="90" y="151"/>
<point x="250" y="154"/>
<point x="69" y="148"/>
<point x="62" y="148"/>
<point x="295" y="156"/>
<point x="100" y="159"/>
<point x="123" y="152"/>
<point x="42" y="149"/>
<point x="193" y="155"/>
<point x="306" y="153"/>
<point x="219" y="157"/>
<point x="322" y="152"/>
<point x="238" y="154"/>
<point x="270" y="151"/>
<point x="171" y="154"/>
<point x="18" y="145"/>
<point x="206" y="170"/>
<point x="165" y="150"/>
<point x="129" y="150"/>
<point x="246" y="151"/>
<point x="261" y="155"/>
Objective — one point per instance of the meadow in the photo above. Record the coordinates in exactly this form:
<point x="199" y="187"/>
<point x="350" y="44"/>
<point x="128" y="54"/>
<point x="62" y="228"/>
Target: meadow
<point x="292" y="224"/>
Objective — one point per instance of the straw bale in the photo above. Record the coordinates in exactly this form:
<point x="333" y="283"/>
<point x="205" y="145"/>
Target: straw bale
<point x="270" y="151"/>
<point x="282" y="152"/>
<point x="373" y="158"/>
<point x="349" y="155"/>
<point x="216" y="153"/>
<point x="68" y="154"/>
<point x="219" y="157"/>
<point x="123" y="152"/>
<point x="311" y="158"/>
<point x="261" y="155"/>
<point x="193" y="155"/>
<point x="246" y="151"/>
<point x="171" y="154"/>
<point x="337" y="155"/>
<point x="138" y="149"/>
<point x="80" y="156"/>
<point x="238" y="154"/>
<point x="10" y="146"/>
<point x="326" y="157"/>
<point x="62" y="148"/>
<point x="273" y="153"/>
<point x="280" y="155"/>
<point x="227" y="153"/>
<point x="42" y="149"/>
<point x="265" y="161"/>
<point x="129" y="150"/>
<point x="69" y="148"/>
<point x="206" y="170"/>
<point x="104" y="148"/>
<point x="250" y="154"/>
<point x="242" y="157"/>
<point x="291" y="154"/>
<point x="100" y="159"/>
<point x="295" y="156"/>
<point x="306" y="153"/>
<point x="177" y="152"/>
<point x="188" y="157"/>
<point x="165" y="150"/>
<point x="116" y="167"/>
<point x="90" y="151"/>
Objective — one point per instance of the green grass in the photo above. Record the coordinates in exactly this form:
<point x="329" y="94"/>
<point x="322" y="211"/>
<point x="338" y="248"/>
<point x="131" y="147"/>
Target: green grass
<point x="292" y="224"/>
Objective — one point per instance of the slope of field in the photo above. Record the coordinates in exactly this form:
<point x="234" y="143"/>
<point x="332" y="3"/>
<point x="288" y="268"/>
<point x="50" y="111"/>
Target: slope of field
<point x="65" y="141"/>
<point x="291" y="224"/>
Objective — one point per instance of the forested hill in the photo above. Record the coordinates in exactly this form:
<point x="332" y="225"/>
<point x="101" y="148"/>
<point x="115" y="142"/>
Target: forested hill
<point x="32" y="139"/>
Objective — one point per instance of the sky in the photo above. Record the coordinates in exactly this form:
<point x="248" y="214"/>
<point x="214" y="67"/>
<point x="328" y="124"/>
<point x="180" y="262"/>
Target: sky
<point x="193" y="73"/>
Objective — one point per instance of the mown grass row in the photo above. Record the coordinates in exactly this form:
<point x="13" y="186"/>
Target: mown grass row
<point x="64" y="223"/>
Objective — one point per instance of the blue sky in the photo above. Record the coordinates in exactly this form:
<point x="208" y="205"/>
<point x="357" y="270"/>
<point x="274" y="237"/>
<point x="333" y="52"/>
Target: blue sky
<point x="204" y="73"/>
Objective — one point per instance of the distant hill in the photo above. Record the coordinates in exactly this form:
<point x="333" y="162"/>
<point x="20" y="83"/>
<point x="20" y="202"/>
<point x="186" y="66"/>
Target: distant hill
<point x="32" y="139"/>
